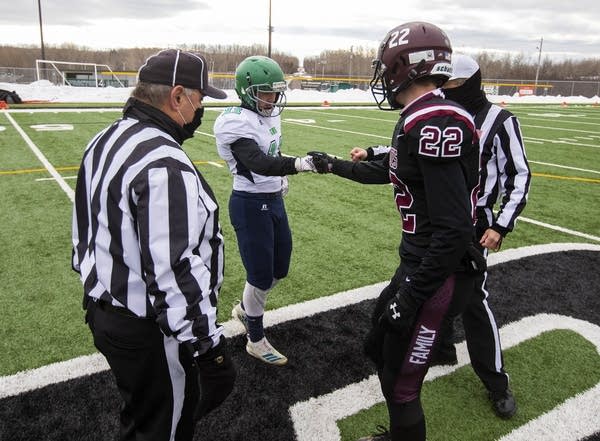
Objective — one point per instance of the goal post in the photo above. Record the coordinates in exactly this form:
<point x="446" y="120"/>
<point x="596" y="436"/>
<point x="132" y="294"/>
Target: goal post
<point x="88" y="69"/>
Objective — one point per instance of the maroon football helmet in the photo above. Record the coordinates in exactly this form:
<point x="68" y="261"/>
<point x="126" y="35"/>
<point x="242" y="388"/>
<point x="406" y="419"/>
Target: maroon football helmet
<point x="409" y="51"/>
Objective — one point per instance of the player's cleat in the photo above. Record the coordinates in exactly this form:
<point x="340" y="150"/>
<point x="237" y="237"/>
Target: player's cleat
<point x="263" y="350"/>
<point x="503" y="403"/>
<point x="238" y="313"/>
<point x="381" y="435"/>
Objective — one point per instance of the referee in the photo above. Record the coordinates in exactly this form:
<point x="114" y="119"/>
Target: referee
<point x="148" y="247"/>
<point x="504" y="177"/>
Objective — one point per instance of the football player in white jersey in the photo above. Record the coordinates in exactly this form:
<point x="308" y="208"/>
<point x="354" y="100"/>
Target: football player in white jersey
<point x="249" y="140"/>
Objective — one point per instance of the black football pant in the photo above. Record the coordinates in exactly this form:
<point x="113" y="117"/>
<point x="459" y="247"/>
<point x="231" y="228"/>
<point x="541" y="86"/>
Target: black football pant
<point x="154" y="374"/>
<point x="482" y="336"/>
<point x="407" y="355"/>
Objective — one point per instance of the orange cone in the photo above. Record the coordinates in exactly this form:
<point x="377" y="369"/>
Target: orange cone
<point x="325" y="103"/>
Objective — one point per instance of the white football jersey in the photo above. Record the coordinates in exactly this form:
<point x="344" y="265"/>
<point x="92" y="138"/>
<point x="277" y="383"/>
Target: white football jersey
<point x="235" y="123"/>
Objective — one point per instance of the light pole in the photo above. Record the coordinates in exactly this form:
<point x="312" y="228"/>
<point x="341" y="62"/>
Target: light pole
<point x="537" y="71"/>
<point x="41" y="33"/>
<point x="350" y="73"/>
<point x="270" y="30"/>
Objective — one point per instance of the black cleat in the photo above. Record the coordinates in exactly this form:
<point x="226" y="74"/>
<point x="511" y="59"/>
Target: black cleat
<point x="503" y="403"/>
<point x="381" y="435"/>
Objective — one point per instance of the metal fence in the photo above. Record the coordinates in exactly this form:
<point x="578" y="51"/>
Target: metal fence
<point x="586" y="89"/>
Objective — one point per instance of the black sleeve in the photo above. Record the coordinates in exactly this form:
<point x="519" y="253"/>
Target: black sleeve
<point x="365" y="172"/>
<point x="247" y="152"/>
<point x="450" y="214"/>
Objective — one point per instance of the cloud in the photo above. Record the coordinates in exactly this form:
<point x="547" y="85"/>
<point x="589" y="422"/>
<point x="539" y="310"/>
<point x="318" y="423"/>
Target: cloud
<point x="76" y="13"/>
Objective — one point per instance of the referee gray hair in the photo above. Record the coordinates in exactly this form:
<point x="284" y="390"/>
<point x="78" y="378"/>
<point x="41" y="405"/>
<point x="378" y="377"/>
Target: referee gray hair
<point x="154" y="94"/>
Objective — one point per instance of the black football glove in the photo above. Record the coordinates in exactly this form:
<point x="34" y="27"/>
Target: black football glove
<point x="216" y="376"/>
<point x="475" y="260"/>
<point x="401" y="309"/>
<point x="322" y="161"/>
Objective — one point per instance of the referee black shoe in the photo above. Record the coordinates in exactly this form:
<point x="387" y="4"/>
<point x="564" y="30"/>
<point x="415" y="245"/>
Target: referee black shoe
<point x="503" y="403"/>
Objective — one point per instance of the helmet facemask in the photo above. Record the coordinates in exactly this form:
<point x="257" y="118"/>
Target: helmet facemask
<point x="264" y="107"/>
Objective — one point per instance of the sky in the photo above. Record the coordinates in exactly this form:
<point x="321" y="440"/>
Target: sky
<point x="305" y="28"/>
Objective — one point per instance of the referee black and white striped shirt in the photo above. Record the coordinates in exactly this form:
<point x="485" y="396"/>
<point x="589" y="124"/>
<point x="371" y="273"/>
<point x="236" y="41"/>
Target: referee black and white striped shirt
<point x="505" y="175"/>
<point x="146" y="233"/>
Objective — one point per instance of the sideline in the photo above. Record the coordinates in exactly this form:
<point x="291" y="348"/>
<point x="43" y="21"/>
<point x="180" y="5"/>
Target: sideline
<point x="32" y="379"/>
<point x="37" y="152"/>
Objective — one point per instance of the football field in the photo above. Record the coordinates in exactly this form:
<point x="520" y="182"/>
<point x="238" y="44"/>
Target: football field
<point x="544" y="287"/>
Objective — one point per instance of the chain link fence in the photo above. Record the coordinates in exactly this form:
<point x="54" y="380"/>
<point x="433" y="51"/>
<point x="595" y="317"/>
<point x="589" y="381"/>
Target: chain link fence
<point x="586" y="89"/>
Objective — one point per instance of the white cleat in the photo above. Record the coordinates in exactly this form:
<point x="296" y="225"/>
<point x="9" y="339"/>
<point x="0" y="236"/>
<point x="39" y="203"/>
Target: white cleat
<point x="239" y="314"/>
<point x="263" y="350"/>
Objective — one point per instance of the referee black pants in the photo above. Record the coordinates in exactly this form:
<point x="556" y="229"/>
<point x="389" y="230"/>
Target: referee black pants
<point x="483" y="338"/>
<point x="154" y="375"/>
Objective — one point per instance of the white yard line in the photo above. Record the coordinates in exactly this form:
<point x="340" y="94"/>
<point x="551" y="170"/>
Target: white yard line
<point x="555" y="141"/>
<point x="333" y="129"/>
<point x="36" y="151"/>
<point x="565" y="166"/>
<point x="25" y="381"/>
<point x="588" y="132"/>
<point x="52" y="179"/>
<point x="531" y="140"/>
<point x="558" y="228"/>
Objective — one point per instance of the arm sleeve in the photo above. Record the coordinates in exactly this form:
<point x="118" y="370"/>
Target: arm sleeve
<point x="247" y="152"/>
<point x="173" y="225"/>
<point x="514" y="175"/>
<point x="365" y="172"/>
<point x="377" y="152"/>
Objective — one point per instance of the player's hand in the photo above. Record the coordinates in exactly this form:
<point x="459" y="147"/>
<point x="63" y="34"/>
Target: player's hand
<point x="305" y="164"/>
<point x="401" y="309"/>
<point x="216" y="376"/>
<point x="358" y="154"/>
<point x="285" y="186"/>
<point x="322" y="161"/>
<point x="491" y="239"/>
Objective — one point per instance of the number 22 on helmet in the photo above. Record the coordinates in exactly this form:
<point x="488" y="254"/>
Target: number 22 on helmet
<point x="410" y="51"/>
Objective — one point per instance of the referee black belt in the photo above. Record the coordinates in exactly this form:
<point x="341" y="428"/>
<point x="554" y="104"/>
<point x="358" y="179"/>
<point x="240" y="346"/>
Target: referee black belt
<point x="247" y="194"/>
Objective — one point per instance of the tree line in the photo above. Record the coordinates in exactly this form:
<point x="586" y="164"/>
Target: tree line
<point x="354" y="63"/>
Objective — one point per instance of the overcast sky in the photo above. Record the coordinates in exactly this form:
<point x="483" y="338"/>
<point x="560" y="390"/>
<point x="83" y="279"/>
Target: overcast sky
<point x="570" y="29"/>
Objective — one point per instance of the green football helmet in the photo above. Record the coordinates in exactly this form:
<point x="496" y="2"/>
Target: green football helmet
<point x="260" y="74"/>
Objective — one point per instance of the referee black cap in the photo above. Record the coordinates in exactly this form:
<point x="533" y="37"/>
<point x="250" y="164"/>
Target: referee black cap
<point x="174" y="67"/>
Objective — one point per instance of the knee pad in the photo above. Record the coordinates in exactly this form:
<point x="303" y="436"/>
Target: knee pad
<point x="254" y="300"/>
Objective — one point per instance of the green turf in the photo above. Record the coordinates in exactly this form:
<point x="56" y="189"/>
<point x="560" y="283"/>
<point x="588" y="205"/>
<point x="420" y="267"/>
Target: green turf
<point x="456" y="406"/>
<point x="345" y="234"/>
